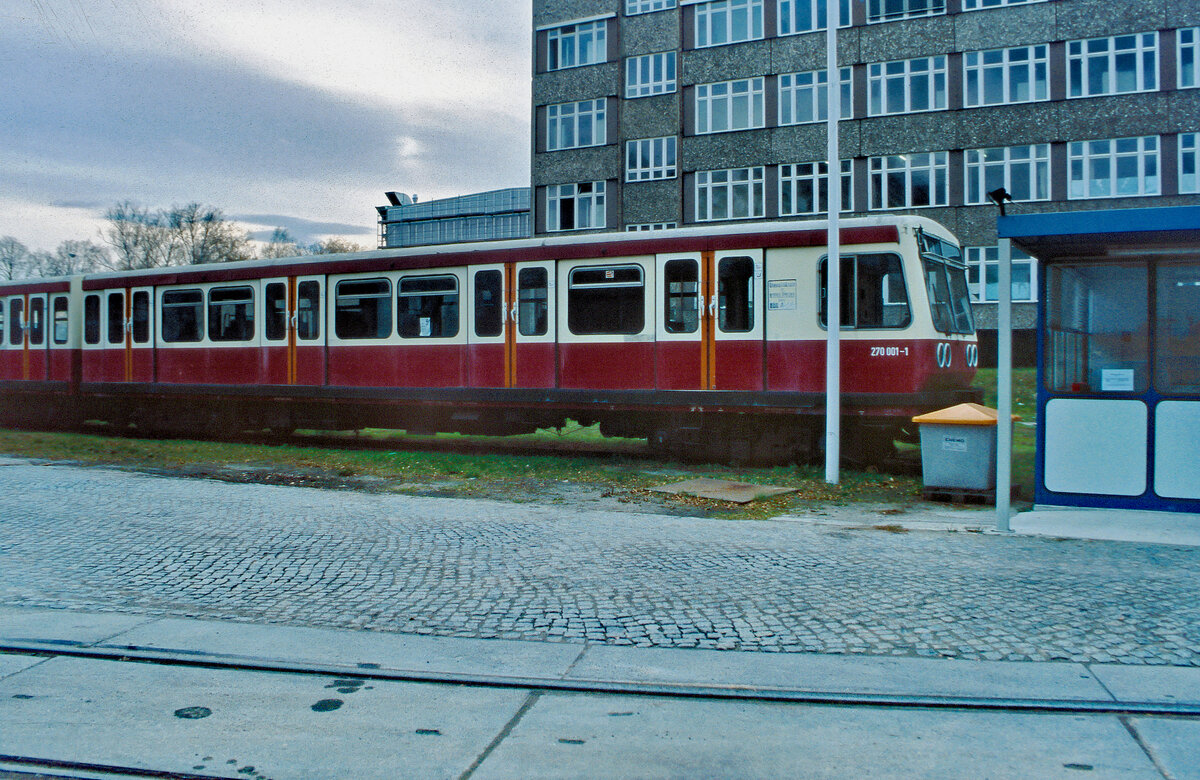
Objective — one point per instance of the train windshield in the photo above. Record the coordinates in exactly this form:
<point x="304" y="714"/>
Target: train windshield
<point x="946" y="281"/>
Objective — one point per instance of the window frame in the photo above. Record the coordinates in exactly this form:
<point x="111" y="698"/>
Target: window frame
<point x="1084" y="153"/>
<point x="1188" y="51"/>
<point x="660" y="156"/>
<point x="851" y="308"/>
<point x="706" y="190"/>
<point x="975" y="75"/>
<point x="983" y="260"/>
<point x="60" y="321"/>
<point x="224" y="333"/>
<point x="342" y="313"/>
<point x="574" y="115"/>
<point x="642" y="227"/>
<point x="197" y="305"/>
<point x="813" y="95"/>
<point x="985" y="5"/>
<point x="572" y="41"/>
<point x="879" y="17"/>
<point x="816" y="175"/>
<point x="1081" y="59"/>
<point x="731" y="94"/>
<point x="721" y="16"/>
<point x="880" y="172"/>
<point x="791" y="10"/>
<point x="631" y="306"/>
<point x="592" y="205"/>
<point x="976" y="169"/>
<point x="1188" y="151"/>
<point x="637" y="7"/>
<point x="439" y="306"/>
<point x="651" y="66"/>
<point x="881" y="75"/>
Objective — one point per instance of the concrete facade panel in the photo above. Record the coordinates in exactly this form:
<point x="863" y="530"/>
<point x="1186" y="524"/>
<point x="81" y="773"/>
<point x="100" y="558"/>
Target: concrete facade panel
<point x="651" y="117"/>
<point x="648" y="33"/>
<point x="1101" y="18"/>
<point x="725" y="150"/>
<point x="1118" y="116"/>
<point x="1029" y="123"/>
<point x="652" y="201"/>
<point x="590" y="81"/>
<point x="561" y="11"/>
<point x="1003" y="27"/>
<point x="722" y="63"/>
<point x="575" y="165"/>
<point x="907" y="39"/>
<point x="936" y="131"/>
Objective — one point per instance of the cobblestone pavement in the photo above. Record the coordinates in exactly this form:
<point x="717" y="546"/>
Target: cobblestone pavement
<point x="94" y="539"/>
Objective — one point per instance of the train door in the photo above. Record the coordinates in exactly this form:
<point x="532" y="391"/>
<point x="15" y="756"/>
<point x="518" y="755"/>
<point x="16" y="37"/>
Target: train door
<point x="488" y="356"/>
<point x="531" y="337"/>
<point x="35" y="360"/>
<point x="139" y="347"/>
<point x="710" y="331"/>
<point x="293" y="345"/>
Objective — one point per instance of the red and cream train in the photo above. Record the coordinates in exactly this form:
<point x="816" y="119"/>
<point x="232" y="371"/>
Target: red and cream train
<point x="708" y="341"/>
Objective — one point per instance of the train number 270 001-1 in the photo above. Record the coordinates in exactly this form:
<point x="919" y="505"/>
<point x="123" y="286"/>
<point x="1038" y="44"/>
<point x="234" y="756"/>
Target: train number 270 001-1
<point x="889" y="351"/>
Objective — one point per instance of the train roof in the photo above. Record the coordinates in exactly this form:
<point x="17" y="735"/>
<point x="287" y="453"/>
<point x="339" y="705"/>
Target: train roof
<point x="854" y="230"/>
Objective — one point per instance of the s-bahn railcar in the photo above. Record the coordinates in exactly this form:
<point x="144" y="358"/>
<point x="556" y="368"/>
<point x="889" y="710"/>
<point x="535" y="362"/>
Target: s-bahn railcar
<point x="708" y="341"/>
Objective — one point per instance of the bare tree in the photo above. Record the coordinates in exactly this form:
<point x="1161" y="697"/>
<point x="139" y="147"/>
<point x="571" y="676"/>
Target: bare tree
<point x="137" y="237"/>
<point x="203" y="235"/>
<point x="14" y="258"/>
<point x="72" y="257"/>
<point x="281" y="245"/>
<point x="335" y="246"/>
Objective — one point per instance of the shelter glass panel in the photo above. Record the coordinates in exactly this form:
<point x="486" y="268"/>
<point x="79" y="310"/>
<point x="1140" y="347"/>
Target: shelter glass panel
<point x="1096" y="328"/>
<point x="1177" y="328"/>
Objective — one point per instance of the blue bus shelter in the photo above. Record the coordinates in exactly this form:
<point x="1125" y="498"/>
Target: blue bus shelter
<point x="1118" y="403"/>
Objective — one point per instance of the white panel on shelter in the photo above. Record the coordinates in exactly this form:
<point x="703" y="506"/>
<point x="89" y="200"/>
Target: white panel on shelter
<point x="1096" y="446"/>
<point x="1177" y="449"/>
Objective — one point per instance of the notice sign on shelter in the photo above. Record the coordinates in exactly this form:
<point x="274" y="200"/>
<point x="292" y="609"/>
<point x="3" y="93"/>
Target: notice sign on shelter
<point x="781" y="295"/>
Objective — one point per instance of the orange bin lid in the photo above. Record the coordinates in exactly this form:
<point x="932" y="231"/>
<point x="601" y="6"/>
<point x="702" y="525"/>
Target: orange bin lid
<point x="963" y="414"/>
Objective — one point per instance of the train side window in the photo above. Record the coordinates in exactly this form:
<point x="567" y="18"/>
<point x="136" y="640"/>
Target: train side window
<point x="532" y="301"/>
<point x="182" y="316"/>
<point x="735" y="294"/>
<point x="606" y="300"/>
<point x="275" y="300"/>
<point x="681" y="285"/>
<point x="231" y="314"/>
<point x="363" y="309"/>
<point x="1" y="320"/>
<point x="428" y="307"/>
<point x="116" y="318"/>
<point x="37" y="321"/>
<point x="308" y="310"/>
<point x="16" y="333"/>
<point x="91" y="319"/>
<point x="141" y="317"/>
<point x="874" y="295"/>
<point x="489" y="303"/>
<point x="61" y="318"/>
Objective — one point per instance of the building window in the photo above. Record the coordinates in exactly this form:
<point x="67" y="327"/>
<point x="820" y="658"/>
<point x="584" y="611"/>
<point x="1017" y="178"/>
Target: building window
<point x="1112" y="66"/>
<point x="1024" y="171"/>
<point x="730" y="105"/>
<point x="1113" y="168"/>
<point x="904" y="86"/>
<point x="891" y="10"/>
<point x="1000" y="76"/>
<point x="983" y="274"/>
<point x="646" y="226"/>
<point x="735" y="193"/>
<point x="650" y="158"/>
<point x="801" y="16"/>
<point x="1189" y="181"/>
<point x="909" y="180"/>
<point x="634" y="7"/>
<point x="574" y="125"/>
<point x="577" y="44"/>
<point x="728" y="21"/>
<point x="650" y="74"/>
<point x="803" y="97"/>
<point x="428" y="307"/>
<point x="575" y="206"/>
<point x="804" y="188"/>
<point x="1188" y="49"/>
<point x="975" y="5"/>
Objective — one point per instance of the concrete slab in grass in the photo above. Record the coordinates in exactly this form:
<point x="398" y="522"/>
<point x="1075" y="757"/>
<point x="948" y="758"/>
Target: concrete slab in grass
<point x="724" y="490"/>
<point x="56" y="625"/>
<point x="1159" y="684"/>
<point x="403" y="652"/>
<point x="247" y="724"/>
<point x="565" y="736"/>
<point x="1174" y="743"/>
<point x="842" y="673"/>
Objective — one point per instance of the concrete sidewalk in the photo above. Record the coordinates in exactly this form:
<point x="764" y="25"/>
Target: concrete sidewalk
<point x="529" y="708"/>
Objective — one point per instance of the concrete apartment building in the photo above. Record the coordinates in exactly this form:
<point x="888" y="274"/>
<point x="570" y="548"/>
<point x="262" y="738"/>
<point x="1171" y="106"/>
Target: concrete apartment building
<point x="657" y="113"/>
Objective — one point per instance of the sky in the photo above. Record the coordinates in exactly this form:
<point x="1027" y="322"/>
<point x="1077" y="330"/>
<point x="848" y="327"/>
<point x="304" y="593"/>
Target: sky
<point x="298" y="114"/>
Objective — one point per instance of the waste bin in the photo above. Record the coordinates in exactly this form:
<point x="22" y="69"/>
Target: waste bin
<point x="958" y="449"/>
